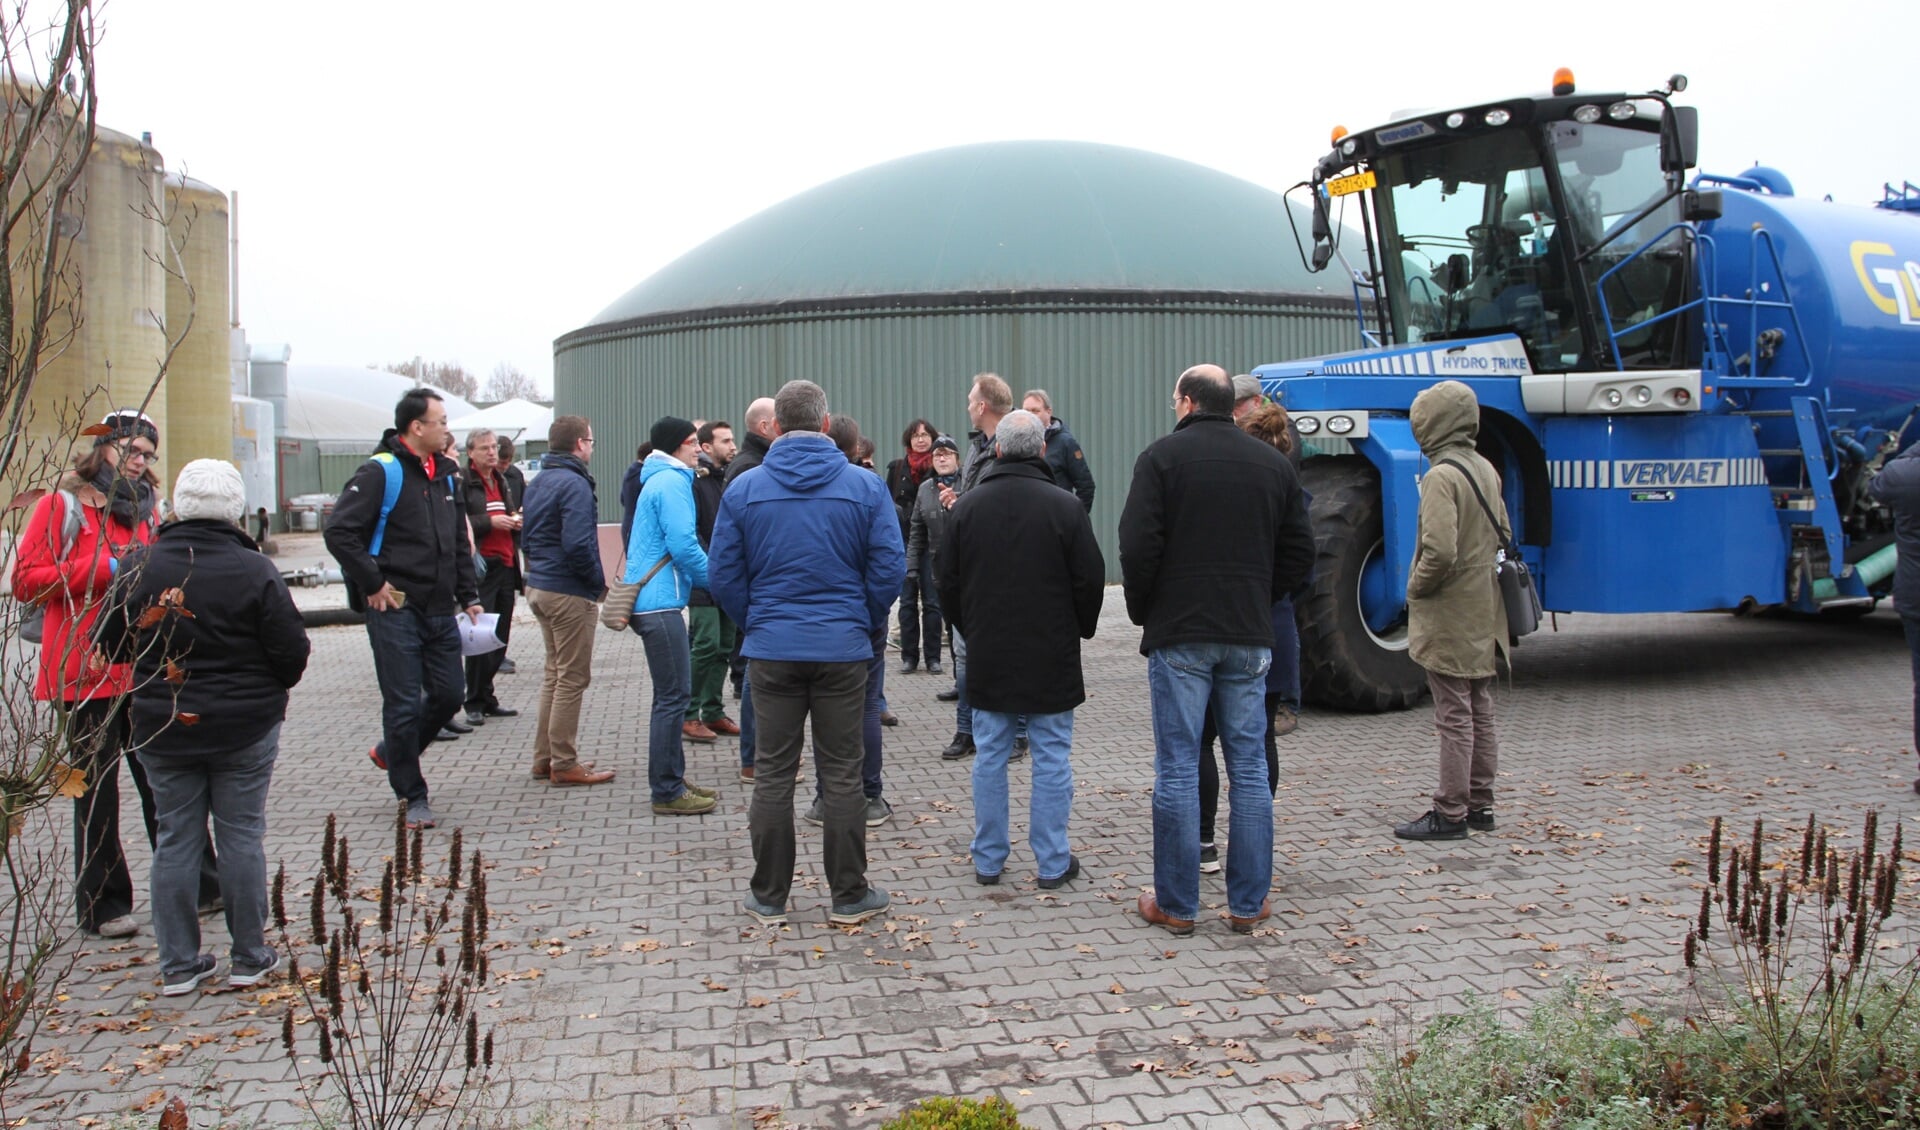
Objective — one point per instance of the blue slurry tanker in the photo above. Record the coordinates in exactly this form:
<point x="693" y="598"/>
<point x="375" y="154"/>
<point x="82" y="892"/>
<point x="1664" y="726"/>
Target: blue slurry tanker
<point x="1685" y="383"/>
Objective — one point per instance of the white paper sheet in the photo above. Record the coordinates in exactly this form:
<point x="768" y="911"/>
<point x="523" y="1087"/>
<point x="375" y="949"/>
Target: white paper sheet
<point x="477" y="637"/>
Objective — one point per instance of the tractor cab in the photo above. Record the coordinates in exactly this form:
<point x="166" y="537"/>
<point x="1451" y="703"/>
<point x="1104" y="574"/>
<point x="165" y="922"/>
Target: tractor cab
<point x="1555" y="219"/>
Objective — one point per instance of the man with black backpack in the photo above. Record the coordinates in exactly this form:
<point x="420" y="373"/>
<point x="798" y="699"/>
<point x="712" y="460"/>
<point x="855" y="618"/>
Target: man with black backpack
<point x="1456" y="621"/>
<point x="397" y="531"/>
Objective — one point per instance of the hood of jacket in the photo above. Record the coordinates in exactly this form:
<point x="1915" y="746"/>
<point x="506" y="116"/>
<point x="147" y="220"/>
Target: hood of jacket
<point x="660" y="463"/>
<point x="804" y="461"/>
<point x="563" y="461"/>
<point x="1443" y="416"/>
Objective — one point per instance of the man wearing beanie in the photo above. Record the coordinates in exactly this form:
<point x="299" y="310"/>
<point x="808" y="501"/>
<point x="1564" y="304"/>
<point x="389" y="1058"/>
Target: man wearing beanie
<point x="215" y="643"/>
<point x="561" y="539"/>
<point x="664" y="554"/>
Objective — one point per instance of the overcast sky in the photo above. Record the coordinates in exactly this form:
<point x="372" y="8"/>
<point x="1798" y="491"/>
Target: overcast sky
<point x="468" y="181"/>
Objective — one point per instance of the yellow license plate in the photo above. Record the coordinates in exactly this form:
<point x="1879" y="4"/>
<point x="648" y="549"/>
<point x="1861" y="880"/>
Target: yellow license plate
<point x="1347" y="186"/>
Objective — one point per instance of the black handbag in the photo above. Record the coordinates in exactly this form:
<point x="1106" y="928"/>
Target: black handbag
<point x="1516" y="581"/>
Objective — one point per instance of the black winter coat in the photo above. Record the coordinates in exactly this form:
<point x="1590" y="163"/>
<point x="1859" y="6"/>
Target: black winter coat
<point x="512" y="491"/>
<point x="709" y="482"/>
<point x="425" y="552"/>
<point x="223" y="644"/>
<point x="1897" y="486"/>
<point x="1214" y="533"/>
<point x="1022" y="578"/>
<point x="753" y="449"/>
<point x="1068" y="463"/>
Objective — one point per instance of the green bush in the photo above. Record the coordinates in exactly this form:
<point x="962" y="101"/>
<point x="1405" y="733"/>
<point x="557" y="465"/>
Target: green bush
<point x="957" y="1114"/>
<point x="1795" y="1022"/>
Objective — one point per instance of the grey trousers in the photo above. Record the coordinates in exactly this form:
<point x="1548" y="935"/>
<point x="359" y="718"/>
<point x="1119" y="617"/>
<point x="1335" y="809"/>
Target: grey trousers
<point x="231" y="788"/>
<point x="1469" y="748"/>
<point x="785" y="695"/>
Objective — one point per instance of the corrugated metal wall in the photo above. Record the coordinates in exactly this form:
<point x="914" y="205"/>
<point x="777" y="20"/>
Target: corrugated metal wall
<point x="1110" y="373"/>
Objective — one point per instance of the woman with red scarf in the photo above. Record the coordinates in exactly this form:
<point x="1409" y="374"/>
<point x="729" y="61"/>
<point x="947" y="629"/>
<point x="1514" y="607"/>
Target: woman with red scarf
<point x="919" y="606"/>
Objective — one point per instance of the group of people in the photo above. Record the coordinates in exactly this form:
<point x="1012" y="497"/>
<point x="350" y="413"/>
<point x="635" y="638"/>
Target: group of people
<point x="778" y="560"/>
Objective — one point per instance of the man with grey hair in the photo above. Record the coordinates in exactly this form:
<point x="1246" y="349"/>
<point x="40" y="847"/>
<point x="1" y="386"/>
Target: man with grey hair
<point x="1246" y="394"/>
<point x="806" y="558"/>
<point x="493" y="514"/>
<point x="1065" y="461"/>
<point x="1014" y="530"/>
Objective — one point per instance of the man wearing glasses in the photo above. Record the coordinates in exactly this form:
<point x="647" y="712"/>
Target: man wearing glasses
<point x="410" y="569"/>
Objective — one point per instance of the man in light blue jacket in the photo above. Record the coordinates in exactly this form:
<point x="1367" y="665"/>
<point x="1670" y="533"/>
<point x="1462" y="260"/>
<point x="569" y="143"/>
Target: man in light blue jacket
<point x="664" y="550"/>
<point x="807" y="560"/>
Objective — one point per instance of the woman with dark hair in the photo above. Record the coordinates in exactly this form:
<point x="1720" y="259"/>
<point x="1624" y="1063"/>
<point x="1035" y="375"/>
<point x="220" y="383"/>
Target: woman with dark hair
<point x="919" y="605"/>
<point x="74" y="541"/>
<point x="1268" y="423"/>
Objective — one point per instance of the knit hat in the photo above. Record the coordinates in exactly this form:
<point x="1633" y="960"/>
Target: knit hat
<point x="209" y="488"/>
<point x="669" y="433"/>
<point x="124" y="424"/>
<point x="947" y="443"/>
<point x="1245" y="387"/>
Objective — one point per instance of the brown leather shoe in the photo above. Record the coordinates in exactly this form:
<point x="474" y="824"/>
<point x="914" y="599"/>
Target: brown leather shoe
<point x="1150" y="910"/>
<point x="724" y="725"/>
<point x="580" y="775"/>
<point x="1245" y="925"/>
<point x="696" y="732"/>
<point x="544" y="771"/>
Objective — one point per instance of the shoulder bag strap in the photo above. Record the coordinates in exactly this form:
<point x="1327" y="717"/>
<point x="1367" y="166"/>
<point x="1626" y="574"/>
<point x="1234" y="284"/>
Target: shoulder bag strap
<point x="1506" y="540"/>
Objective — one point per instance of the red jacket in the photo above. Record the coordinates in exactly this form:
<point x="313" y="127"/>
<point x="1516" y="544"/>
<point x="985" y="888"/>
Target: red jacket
<point x="72" y="592"/>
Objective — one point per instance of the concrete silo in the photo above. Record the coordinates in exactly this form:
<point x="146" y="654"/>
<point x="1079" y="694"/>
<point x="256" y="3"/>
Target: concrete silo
<point x="199" y="381"/>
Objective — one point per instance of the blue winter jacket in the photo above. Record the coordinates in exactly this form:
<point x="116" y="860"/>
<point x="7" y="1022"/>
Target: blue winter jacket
<point x="806" y="554"/>
<point x="664" y="526"/>
<point x="560" y="534"/>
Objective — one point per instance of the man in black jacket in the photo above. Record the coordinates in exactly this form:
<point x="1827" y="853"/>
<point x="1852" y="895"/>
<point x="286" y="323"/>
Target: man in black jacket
<point x="493" y="510"/>
<point x="1214" y="532"/>
<point x="1015" y="532"/>
<point x="518" y="479"/>
<point x="1065" y="460"/>
<point x="412" y="565"/>
<point x="1897" y="487"/>
<point x="711" y="634"/>
<point x="215" y="643"/>
<point x="758" y="438"/>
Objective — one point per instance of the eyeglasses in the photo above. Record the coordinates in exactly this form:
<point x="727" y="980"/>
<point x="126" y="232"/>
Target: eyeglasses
<point x="1177" y="398"/>
<point x="146" y="454"/>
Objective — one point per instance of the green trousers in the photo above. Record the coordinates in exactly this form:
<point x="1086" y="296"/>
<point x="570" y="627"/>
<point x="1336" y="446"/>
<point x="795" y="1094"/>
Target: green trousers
<point x="711" y="635"/>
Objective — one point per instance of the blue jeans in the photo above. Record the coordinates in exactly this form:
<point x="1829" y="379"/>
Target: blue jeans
<point x="1911" y="627"/>
<point x="870" y="731"/>
<point x="1051" y="802"/>
<point x="416" y="658"/>
<point x="1184" y="680"/>
<point x="670" y="662"/>
<point x="232" y="788"/>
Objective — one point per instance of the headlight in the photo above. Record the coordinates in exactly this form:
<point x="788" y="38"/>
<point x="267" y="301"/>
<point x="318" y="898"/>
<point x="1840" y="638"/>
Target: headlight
<point x="1456" y="119"/>
<point x="1340" y="425"/>
<point x="1498" y="117"/>
<point x="1642" y="395"/>
<point x="1349" y="147"/>
<point x="1306" y="425"/>
<point x="1620" y="111"/>
<point x="1587" y="114"/>
<point x="1612" y="397"/>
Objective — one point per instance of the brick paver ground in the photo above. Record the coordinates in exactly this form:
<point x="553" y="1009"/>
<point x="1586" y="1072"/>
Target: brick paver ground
<point x="657" y="1003"/>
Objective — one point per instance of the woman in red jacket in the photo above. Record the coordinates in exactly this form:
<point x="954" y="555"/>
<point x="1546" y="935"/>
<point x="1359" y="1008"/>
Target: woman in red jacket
<point x="111" y="494"/>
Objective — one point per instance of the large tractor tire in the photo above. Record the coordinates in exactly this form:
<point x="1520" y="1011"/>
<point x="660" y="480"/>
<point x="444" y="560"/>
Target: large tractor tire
<point x="1344" y="662"/>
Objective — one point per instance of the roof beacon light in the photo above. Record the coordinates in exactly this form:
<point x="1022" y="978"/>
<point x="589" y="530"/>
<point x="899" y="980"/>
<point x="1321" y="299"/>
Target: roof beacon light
<point x="1563" y="82"/>
<point x="1338" y="133"/>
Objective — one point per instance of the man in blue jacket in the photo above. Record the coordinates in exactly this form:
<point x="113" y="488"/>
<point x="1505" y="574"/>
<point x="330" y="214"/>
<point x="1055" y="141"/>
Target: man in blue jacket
<point x="664" y="551"/>
<point x="560" y="536"/>
<point x="806" y="557"/>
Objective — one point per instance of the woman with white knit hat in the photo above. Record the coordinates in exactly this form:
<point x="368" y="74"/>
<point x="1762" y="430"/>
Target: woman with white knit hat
<point x="215" y="643"/>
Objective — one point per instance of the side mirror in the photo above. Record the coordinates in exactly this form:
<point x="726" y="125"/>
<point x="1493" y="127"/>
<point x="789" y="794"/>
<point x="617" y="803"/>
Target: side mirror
<point x="1322" y="233"/>
<point x="1696" y="206"/>
<point x="1680" y="143"/>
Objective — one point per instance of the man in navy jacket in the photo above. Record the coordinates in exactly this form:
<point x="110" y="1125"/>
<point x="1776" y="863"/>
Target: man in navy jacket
<point x="806" y="557"/>
<point x="561" y="539"/>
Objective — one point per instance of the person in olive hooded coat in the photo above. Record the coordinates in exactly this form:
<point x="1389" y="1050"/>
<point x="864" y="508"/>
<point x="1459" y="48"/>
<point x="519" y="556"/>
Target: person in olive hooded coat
<point x="1455" y="620"/>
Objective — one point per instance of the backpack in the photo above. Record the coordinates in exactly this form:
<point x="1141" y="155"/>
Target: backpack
<point x="33" y="620"/>
<point x="390" y="496"/>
